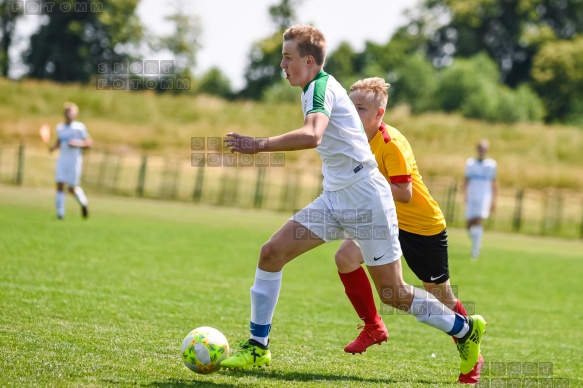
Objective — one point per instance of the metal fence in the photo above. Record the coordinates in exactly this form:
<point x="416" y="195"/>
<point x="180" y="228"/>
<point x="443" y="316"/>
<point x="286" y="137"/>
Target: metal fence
<point x="286" y="187"/>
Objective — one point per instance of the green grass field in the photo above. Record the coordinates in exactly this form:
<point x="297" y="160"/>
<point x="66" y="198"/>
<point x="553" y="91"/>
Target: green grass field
<point x="107" y="302"/>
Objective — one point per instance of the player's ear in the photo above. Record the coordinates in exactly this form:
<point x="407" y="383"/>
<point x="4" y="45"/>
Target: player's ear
<point x="310" y="60"/>
<point x="381" y="112"/>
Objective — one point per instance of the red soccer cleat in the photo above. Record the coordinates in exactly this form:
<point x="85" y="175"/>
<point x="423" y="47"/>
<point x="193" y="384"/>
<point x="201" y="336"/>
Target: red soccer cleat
<point x="473" y="377"/>
<point x="372" y="333"/>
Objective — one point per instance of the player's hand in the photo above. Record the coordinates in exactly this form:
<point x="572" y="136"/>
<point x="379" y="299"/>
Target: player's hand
<point x="76" y="143"/>
<point x="240" y="143"/>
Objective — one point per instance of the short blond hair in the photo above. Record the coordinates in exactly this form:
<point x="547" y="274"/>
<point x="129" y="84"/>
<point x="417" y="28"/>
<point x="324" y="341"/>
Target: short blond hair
<point x="310" y="40"/>
<point x="376" y="87"/>
<point x="70" y="105"/>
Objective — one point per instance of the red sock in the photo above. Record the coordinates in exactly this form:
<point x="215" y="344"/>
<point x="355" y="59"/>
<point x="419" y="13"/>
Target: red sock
<point x="459" y="308"/>
<point x="359" y="291"/>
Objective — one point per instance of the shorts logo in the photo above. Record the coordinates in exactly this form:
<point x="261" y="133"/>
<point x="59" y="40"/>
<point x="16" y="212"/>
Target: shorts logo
<point x="378" y="258"/>
<point x="358" y="168"/>
<point x="437" y="277"/>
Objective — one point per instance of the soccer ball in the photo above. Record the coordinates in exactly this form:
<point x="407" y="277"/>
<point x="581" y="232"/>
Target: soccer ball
<point x="203" y="349"/>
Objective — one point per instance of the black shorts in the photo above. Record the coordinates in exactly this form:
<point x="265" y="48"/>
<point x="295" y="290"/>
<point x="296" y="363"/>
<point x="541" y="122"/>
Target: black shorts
<point x="426" y="255"/>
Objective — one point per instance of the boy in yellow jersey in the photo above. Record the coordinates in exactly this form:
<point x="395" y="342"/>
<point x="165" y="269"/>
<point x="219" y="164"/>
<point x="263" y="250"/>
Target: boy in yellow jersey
<point x="422" y="228"/>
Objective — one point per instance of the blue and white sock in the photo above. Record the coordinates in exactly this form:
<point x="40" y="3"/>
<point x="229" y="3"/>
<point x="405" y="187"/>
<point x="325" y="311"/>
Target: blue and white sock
<point x="264" y="295"/>
<point x="476" y="232"/>
<point x="60" y="203"/>
<point x="427" y="309"/>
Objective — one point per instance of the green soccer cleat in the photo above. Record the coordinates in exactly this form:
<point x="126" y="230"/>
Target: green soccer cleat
<point x="469" y="346"/>
<point x="251" y="353"/>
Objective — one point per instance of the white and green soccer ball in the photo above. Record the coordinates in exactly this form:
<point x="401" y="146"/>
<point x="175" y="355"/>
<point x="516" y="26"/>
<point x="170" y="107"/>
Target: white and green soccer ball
<point x="203" y="349"/>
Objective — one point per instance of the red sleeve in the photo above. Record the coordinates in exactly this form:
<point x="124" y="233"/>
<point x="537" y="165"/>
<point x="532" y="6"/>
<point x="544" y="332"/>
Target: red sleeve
<point x="400" y="178"/>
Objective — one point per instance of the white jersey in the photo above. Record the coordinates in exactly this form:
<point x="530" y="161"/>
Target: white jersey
<point x="70" y="159"/>
<point x="346" y="155"/>
<point x="480" y="174"/>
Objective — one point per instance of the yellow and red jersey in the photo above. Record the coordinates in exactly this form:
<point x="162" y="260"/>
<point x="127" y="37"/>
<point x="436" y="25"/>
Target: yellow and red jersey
<point x="396" y="161"/>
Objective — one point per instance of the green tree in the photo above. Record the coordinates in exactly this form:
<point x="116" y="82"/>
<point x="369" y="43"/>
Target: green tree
<point x="415" y="84"/>
<point x="214" y="82"/>
<point x="80" y="36"/>
<point x="265" y="57"/>
<point x="341" y="63"/>
<point x="509" y="31"/>
<point x="557" y="74"/>
<point x="463" y="78"/>
<point x="9" y="14"/>
<point x="184" y="40"/>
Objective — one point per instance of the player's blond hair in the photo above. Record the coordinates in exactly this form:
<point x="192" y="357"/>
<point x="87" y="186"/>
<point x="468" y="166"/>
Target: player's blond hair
<point x="310" y="40"/>
<point x="376" y="88"/>
<point x="70" y="105"/>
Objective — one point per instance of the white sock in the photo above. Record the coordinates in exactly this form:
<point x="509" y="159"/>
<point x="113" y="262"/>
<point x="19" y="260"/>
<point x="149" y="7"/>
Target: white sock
<point x="80" y="195"/>
<point x="264" y="295"/>
<point x="427" y="309"/>
<point x="60" y="203"/>
<point x="476" y="232"/>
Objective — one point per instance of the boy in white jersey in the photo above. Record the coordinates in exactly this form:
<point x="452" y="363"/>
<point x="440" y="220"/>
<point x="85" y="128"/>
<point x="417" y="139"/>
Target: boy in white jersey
<point x="72" y="138"/>
<point x="480" y="194"/>
<point x="356" y="202"/>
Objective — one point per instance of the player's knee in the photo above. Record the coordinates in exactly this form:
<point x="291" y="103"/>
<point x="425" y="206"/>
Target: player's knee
<point x="343" y="259"/>
<point x="271" y="253"/>
<point x="397" y="296"/>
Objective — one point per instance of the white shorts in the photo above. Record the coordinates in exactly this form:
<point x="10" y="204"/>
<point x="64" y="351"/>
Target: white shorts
<point x="68" y="173"/>
<point x="478" y="209"/>
<point x="364" y="212"/>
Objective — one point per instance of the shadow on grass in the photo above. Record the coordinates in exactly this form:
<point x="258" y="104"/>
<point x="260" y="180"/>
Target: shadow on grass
<point x="282" y="376"/>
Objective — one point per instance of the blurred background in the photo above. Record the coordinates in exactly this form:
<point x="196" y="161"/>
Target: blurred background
<point x="506" y="70"/>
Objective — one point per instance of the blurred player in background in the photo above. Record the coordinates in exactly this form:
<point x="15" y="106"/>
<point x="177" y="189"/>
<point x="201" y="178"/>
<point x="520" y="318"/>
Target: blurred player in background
<point x="422" y="228"/>
<point x="480" y="194"/>
<point x="72" y="138"/>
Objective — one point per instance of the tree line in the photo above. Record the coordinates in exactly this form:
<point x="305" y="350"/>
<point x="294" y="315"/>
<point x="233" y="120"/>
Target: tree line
<point x="496" y="60"/>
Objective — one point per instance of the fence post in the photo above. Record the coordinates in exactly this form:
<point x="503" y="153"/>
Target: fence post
<point x="197" y="193"/>
<point x="169" y="180"/>
<point x="517" y="219"/>
<point x="545" y="220"/>
<point x="450" y="207"/>
<point x="581" y="226"/>
<point x="559" y="214"/>
<point x="291" y="191"/>
<point x="142" y="176"/>
<point x="20" y="165"/>
<point x="102" y="170"/>
<point x="258" y="201"/>
<point x="116" y="174"/>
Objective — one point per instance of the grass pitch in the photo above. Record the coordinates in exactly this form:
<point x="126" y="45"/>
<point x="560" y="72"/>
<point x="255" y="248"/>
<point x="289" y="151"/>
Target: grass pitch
<point x="107" y="302"/>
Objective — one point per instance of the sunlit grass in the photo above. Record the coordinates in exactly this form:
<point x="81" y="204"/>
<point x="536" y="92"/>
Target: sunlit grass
<point x="107" y="301"/>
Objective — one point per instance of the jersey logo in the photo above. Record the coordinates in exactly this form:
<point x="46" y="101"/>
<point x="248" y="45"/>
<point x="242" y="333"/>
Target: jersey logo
<point x="358" y="168"/>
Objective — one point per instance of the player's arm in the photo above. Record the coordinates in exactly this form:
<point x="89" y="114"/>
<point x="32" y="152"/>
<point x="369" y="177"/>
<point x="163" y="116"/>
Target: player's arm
<point x="494" y="195"/>
<point x="466" y="183"/>
<point x="402" y="192"/>
<point x="55" y="146"/>
<point x="308" y="136"/>
<point x="81" y="143"/>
